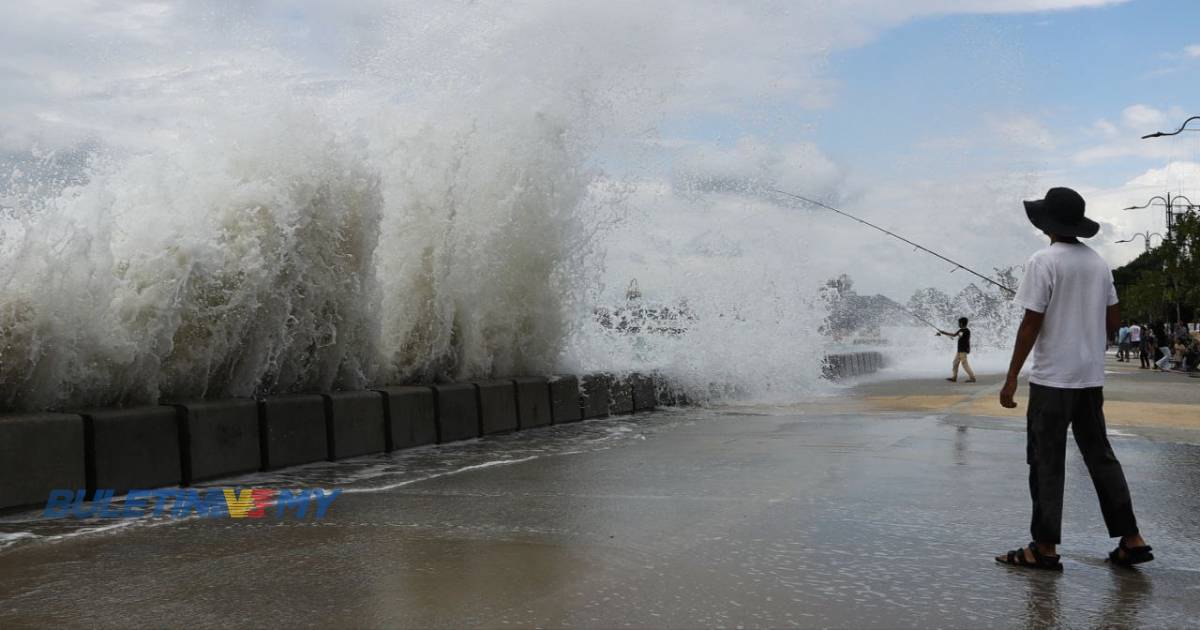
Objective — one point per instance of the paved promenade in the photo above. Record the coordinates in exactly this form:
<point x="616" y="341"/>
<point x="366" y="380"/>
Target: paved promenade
<point x="878" y="507"/>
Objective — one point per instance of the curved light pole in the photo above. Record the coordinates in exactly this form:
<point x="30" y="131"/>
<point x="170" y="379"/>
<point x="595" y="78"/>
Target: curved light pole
<point x="1174" y="280"/>
<point x="1170" y="217"/>
<point x="1182" y="128"/>
<point x="1145" y="235"/>
<point x="1169" y="202"/>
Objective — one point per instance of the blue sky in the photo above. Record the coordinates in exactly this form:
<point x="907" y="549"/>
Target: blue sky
<point x="939" y="124"/>
<point x="1068" y="69"/>
<point x="952" y="76"/>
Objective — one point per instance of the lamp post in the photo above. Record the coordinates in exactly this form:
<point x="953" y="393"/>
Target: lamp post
<point x="1144" y="235"/>
<point x="1166" y="268"/>
<point x="1170" y="218"/>
<point x="1182" y="128"/>
<point x="1169" y="202"/>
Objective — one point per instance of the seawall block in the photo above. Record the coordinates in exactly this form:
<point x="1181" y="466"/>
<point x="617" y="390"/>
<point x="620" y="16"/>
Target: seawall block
<point x="292" y="430"/>
<point x="40" y="452"/>
<point x="596" y="391"/>
<point x="497" y="406"/>
<point x="645" y="392"/>
<point x="533" y="401"/>
<point x="356" y="423"/>
<point x="411" y="416"/>
<point x="565" y="399"/>
<point x="621" y="396"/>
<point x="838" y="366"/>
<point x="457" y="412"/>
<point x="218" y="438"/>
<point x="136" y="447"/>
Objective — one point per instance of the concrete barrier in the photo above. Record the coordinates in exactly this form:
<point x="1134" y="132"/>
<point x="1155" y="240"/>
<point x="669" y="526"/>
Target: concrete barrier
<point x="40" y="452"/>
<point x="596" y="394"/>
<point x="411" y="416"/>
<point x="667" y="396"/>
<point x="189" y="442"/>
<point x="533" y="401"/>
<point x="564" y="400"/>
<point x="621" y="396"/>
<point x="645" y="391"/>
<point x="218" y="438"/>
<point x="457" y="412"/>
<point x="292" y="430"/>
<point x="356" y="424"/>
<point x="838" y="366"/>
<point x="137" y="447"/>
<point x="497" y="407"/>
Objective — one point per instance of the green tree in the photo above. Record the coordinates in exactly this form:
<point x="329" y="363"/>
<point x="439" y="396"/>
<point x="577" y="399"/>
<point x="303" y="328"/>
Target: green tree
<point x="1166" y="279"/>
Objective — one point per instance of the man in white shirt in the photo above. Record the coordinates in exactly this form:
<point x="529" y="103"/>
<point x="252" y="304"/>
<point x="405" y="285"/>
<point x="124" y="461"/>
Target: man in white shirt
<point x="1135" y="343"/>
<point x="1070" y="313"/>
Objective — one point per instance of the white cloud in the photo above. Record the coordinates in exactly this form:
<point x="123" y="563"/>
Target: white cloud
<point x="1107" y="205"/>
<point x="1192" y="51"/>
<point x="751" y="165"/>
<point x="1126" y="141"/>
<point x="118" y="68"/>
<point x="1142" y="117"/>
<point x="1106" y="128"/>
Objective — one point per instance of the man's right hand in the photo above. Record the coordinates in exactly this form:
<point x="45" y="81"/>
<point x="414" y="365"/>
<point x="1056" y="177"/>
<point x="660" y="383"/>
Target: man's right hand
<point x="1007" y="392"/>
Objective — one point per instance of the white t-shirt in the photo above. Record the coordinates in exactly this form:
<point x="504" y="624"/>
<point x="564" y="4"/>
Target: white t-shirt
<point x="1135" y="333"/>
<point x="1073" y="286"/>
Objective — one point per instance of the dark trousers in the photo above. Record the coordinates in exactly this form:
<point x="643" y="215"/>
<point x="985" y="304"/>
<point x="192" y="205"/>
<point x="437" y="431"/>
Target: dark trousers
<point x="1051" y="410"/>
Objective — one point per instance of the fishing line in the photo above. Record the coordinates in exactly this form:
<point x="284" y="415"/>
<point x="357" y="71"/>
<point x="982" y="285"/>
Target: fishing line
<point x="957" y="265"/>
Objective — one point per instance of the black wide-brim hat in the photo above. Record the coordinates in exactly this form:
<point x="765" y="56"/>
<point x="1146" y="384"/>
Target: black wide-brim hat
<point x="1061" y="213"/>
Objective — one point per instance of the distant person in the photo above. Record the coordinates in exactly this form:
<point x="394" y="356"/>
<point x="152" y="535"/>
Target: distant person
<point x="964" y="349"/>
<point x="1182" y="333"/>
<point x="1123" y="343"/>
<point x="1135" y="338"/>
<point x="1143" y="345"/>
<point x="1162" y="359"/>
<point x="1191" y="357"/>
<point x="1150" y="343"/>
<point x="1070" y="312"/>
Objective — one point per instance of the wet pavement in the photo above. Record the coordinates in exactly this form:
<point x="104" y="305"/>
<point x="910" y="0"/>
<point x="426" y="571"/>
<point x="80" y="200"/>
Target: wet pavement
<point x="806" y="515"/>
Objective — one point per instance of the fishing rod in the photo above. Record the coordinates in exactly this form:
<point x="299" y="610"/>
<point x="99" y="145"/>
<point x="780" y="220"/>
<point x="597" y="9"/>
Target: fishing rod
<point x="956" y="264"/>
<point x="918" y="318"/>
<point x="915" y="316"/>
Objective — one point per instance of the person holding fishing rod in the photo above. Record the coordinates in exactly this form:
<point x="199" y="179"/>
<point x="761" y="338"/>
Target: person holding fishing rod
<point x="964" y="349"/>
<point x="1071" y="311"/>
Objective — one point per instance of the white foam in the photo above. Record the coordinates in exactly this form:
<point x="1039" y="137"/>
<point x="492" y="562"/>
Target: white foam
<point x="456" y="471"/>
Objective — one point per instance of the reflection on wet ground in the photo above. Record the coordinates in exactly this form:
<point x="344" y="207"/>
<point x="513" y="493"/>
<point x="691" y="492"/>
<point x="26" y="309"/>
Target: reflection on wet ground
<point x="759" y="517"/>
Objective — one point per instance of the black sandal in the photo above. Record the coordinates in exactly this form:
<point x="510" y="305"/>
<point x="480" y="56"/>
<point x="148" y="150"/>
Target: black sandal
<point x="1016" y="558"/>
<point x="1133" y="555"/>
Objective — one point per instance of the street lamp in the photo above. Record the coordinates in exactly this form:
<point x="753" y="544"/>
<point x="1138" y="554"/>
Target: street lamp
<point x="1144" y="235"/>
<point x="1169" y="202"/>
<point x="1182" y="128"/>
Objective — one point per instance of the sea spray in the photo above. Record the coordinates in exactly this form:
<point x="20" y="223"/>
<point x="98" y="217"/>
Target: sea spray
<point x="312" y="196"/>
<point x="216" y="267"/>
<point x="249" y="258"/>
